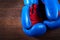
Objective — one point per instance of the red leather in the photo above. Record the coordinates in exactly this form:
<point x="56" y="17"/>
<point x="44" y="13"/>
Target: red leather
<point x="33" y="15"/>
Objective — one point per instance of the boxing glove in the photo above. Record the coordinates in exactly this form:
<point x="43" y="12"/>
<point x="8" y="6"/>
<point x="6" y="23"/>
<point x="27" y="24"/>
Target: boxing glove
<point x="53" y="14"/>
<point x="29" y="29"/>
<point x="33" y="25"/>
<point x="51" y="7"/>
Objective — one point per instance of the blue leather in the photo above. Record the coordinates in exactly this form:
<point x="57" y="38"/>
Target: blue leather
<point x="54" y="19"/>
<point x="27" y="2"/>
<point x="34" y="1"/>
<point x="51" y="9"/>
<point x="26" y="23"/>
<point x="36" y="30"/>
<point x="43" y="1"/>
<point x="53" y="24"/>
<point x="59" y="6"/>
<point x="30" y="2"/>
<point x="51" y="6"/>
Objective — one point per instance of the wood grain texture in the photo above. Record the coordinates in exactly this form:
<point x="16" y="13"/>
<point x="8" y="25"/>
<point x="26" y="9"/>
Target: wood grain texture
<point x="10" y="23"/>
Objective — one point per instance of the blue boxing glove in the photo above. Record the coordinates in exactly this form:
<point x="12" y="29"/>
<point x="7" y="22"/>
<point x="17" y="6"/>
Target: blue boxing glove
<point x="37" y="29"/>
<point x="52" y="12"/>
<point x="51" y="7"/>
